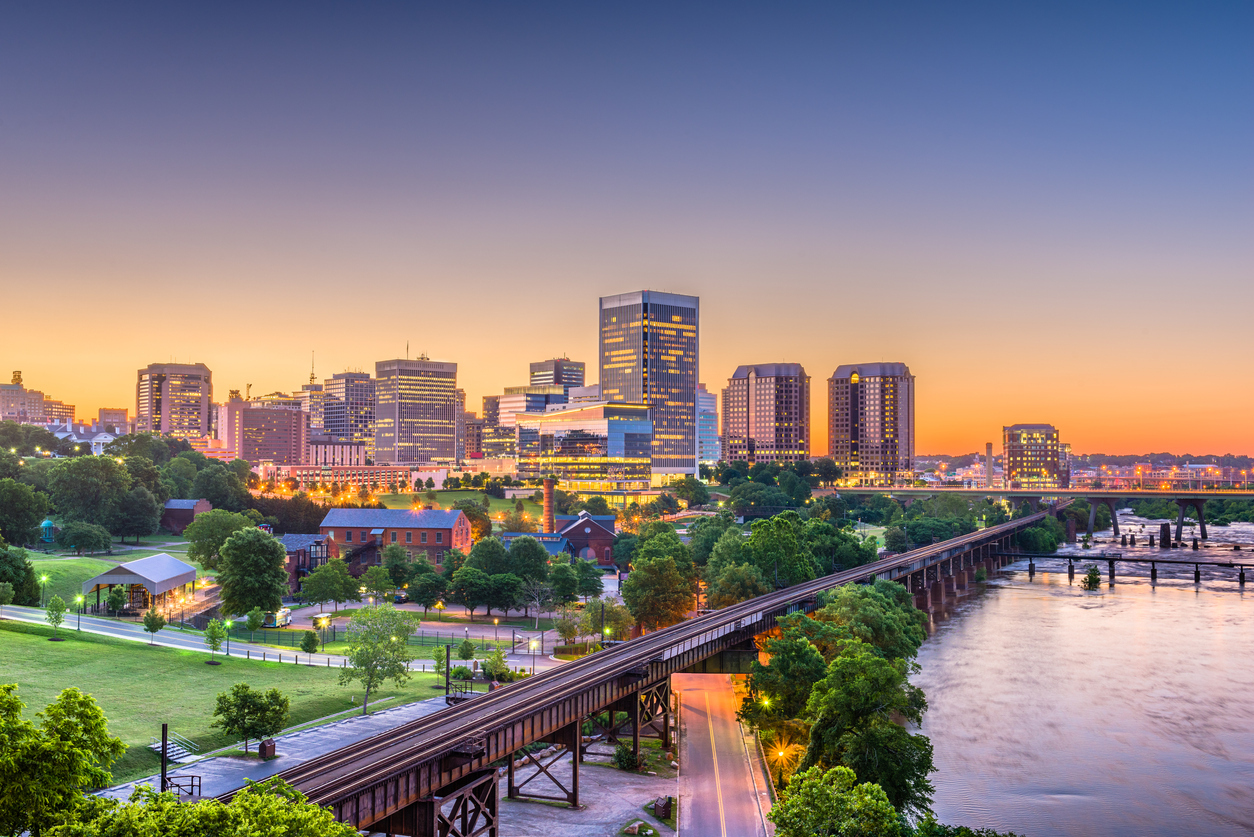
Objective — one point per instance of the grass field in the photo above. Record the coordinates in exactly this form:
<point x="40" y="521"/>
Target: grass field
<point x="66" y="575"/>
<point x="140" y="686"/>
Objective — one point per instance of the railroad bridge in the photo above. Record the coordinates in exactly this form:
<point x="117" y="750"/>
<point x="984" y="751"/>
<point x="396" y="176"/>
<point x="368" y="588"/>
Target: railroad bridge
<point x="438" y="775"/>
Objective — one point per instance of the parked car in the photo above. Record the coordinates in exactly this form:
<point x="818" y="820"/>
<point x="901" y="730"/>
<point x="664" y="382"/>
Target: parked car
<point x="401" y="598"/>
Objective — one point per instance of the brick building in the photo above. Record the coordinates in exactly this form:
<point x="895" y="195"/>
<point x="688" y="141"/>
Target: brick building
<point x="363" y="533"/>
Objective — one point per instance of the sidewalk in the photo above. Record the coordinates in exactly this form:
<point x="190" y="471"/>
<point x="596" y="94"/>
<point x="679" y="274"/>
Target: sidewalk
<point x="220" y="774"/>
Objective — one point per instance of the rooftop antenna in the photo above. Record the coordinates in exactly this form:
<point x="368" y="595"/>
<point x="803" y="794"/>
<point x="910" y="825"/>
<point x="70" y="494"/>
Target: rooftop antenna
<point x="406" y="350"/>
<point x="311" y="368"/>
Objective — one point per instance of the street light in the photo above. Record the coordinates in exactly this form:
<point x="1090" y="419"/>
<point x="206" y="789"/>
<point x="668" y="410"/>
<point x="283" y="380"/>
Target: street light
<point x="79" y="599"/>
<point x="439" y="610"/>
<point x="43" y="579"/>
<point x="496" y="633"/>
<point x="533" y="657"/>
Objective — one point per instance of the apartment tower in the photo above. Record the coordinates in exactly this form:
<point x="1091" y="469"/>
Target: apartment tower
<point x="766" y="413"/>
<point x="870" y="421"/>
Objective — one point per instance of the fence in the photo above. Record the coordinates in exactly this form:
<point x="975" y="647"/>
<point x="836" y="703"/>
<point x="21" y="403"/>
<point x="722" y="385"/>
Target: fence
<point x="292" y="638"/>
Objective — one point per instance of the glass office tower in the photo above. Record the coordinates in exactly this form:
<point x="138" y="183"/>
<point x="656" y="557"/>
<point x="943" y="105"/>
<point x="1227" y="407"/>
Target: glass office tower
<point x="416" y="412"/>
<point x="593" y="448"/>
<point x="649" y="355"/>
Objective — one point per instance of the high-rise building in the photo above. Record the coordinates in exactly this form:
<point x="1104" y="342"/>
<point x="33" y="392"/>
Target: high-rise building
<point x="584" y="395"/>
<point x="491" y="410"/>
<point x="174" y="399"/>
<point x="533" y="399"/>
<point x="313" y="398"/>
<point x="709" y="447"/>
<point x="30" y="406"/>
<point x="416" y="412"/>
<point x="461" y="425"/>
<point x="766" y="413"/>
<point x="264" y="431"/>
<point x="348" y="409"/>
<point x="870" y="421"/>
<point x="559" y="371"/>
<point x="1033" y="458"/>
<point x="649" y="346"/>
<point x="474" y="436"/>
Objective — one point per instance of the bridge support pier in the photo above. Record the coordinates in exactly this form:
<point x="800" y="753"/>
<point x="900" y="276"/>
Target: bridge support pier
<point x="571" y="739"/>
<point x="938" y="594"/>
<point x="467" y="808"/>
<point x="1108" y="502"/>
<point x="1198" y="506"/>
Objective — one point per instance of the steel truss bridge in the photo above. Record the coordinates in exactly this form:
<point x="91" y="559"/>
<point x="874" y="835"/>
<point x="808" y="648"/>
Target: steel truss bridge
<point x="438" y="776"/>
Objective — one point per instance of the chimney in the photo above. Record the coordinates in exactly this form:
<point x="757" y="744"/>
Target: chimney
<point x="988" y="464"/>
<point x="550" y="524"/>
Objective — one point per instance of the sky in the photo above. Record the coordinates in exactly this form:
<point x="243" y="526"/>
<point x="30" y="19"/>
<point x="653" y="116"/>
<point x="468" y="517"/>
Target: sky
<point x="1045" y="210"/>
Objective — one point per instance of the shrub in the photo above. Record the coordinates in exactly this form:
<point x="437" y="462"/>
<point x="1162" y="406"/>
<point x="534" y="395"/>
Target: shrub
<point x="1092" y="579"/>
<point x="625" y="759"/>
<point x="981" y="574"/>
<point x="461" y="673"/>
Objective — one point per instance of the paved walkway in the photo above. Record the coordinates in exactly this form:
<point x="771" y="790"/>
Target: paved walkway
<point x="610" y="799"/>
<point x="719" y="794"/>
<point x="220" y="774"/>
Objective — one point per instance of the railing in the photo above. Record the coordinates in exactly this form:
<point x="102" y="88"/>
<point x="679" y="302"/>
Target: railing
<point x="292" y="638"/>
<point x="183" y="785"/>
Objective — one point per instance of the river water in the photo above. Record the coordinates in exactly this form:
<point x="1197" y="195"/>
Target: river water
<point x="1128" y="711"/>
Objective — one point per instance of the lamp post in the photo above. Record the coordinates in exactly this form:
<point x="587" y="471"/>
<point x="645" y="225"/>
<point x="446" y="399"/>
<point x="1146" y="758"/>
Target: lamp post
<point x="439" y="610"/>
<point x="43" y="579"/>
<point x="322" y="629"/>
<point x="533" y="657"/>
<point x="79" y="600"/>
<point x="496" y="632"/>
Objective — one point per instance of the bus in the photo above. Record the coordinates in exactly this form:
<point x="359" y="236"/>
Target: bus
<point x="280" y="619"/>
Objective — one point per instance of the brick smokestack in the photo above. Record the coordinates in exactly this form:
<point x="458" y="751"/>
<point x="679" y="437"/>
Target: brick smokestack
<point x="550" y="525"/>
<point x="988" y="464"/>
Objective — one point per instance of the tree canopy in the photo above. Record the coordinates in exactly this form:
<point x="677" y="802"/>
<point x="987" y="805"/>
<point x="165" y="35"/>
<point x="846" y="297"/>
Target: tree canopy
<point x="209" y="531"/>
<point x="252" y="572"/>
<point x="378" y="648"/>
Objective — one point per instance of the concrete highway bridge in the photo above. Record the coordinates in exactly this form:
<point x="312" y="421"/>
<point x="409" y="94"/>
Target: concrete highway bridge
<point x="436" y="776"/>
<point x="1111" y="498"/>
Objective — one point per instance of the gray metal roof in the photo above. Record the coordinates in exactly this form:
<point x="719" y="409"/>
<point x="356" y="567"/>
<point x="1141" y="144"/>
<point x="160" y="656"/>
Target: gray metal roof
<point x="391" y="519"/>
<point x="294" y="542"/>
<point x="158" y="573"/>
<point x="872" y="370"/>
<point x="181" y="504"/>
<point x="770" y="370"/>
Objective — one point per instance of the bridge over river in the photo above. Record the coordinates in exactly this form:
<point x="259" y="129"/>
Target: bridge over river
<point x="436" y="775"/>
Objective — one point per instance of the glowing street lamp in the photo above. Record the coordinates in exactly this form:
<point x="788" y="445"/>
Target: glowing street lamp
<point x="79" y="600"/>
<point x="439" y="610"/>
<point x="533" y="657"/>
<point x="43" y="579"/>
<point x="496" y="633"/>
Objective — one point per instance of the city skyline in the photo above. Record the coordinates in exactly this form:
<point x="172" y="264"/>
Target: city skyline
<point x="1041" y="232"/>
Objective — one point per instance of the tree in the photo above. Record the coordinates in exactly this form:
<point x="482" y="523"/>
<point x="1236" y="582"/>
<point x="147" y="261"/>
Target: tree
<point x="470" y="588"/>
<point x="656" y="593"/>
<point x="378" y="648"/>
<point x="495" y="666"/>
<point x="117" y="599"/>
<point x="466" y="650"/>
<point x="537" y="594"/>
<point x="221" y="487"/>
<point x="517" y="521"/>
<point x="252" y="572"/>
<point x="528" y="559"/>
<point x="439" y="657"/>
<point x="754" y="498"/>
<point x="377" y="582"/>
<point x="426" y="590"/>
<point x="44" y="770"/>
<point x="269" y="807"/>
<point x="138" y="513"/>
<point x="829" y="803"/>
<point x="728" y="551"/>
<point x="80" y="535"/>
<point x="565" y="583"/>
<point x="504" y="592"/>
<point x="854" y="709"/>
<point x="22" y="509"/>
<point x="332" y="582"/>
<point x="736" y="583"/>
<point x="691" y="490"/>
<point x="590" y="582"/>
<point x="882" y="615"/>
<point x="477" y="514"/>
<point x="16" y="569"/>
<point x="145" y="474"/>
<point x="55" y="613"/>
<point x="215" y="634"/>
<point x="250" y="713"/>
<point x="827" y="471"/>
<point x="396" y="562"/>
<point x="777" y="547"/>
<point x="309" y="644"/>
<point x="490" y="556"/>
<point x="567" y="627"/>
<point x="209" y="531"/>
<point x="783" y="686"/>
<point x="153" y="622"/>
<point x="605" y="613"/>
<point x="6" y="596"/>
<point x="254" y="620"/>
<point x="88" y="488"/>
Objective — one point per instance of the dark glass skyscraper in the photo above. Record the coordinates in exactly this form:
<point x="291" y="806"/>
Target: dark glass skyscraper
<point x="348" y="409"/>
<point x="649" y="355"/>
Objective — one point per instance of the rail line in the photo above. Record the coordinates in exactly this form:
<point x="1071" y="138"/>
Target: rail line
<point x="362" y="765"/>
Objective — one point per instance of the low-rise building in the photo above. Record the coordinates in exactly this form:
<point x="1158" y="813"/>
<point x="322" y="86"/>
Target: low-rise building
<point x="305" y="553"/>
<point x="179" y="514"/>
<point x="591" y="536"/>
<point x="363" y="533"/>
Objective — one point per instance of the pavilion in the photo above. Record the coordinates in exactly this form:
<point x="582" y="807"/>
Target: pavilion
<point x="156" y="580"/>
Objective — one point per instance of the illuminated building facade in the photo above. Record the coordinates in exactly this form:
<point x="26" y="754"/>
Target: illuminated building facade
<point x="870" y="417"/>
<point x="558" y="371"/>
<point x="174" y="399"/>
<point x="766" y="413"/>
<point x="264" y="431"/>
<point x="1032" y="457"/>
<point x="416" y="412"/>
<point x="592" y="448"/>
<point x="348" y="409"/>
<point x="649" y="355"/>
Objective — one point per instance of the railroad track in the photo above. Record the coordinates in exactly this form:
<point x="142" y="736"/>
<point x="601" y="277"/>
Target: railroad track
<point x="360" y="766"/>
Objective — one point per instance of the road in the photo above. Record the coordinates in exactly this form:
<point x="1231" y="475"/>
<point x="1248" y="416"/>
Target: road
<point x="720" y="796"/>
<point x="174" y="638"/>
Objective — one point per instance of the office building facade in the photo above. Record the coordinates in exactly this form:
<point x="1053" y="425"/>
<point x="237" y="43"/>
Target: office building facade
<point x="709" y="446"/>
<point x="1033" y="458"/>
<point x="649" y="354"/>
<point x="558" y="371"/>
<point x="870" y="417"/>
<point x="260" y="431"/>
<point x="348" y="409"/>
<point x="766" y="413"/>
<point x="174" y="399"/>
<point x="592" y="448"/>
<point x="416" y="412"/>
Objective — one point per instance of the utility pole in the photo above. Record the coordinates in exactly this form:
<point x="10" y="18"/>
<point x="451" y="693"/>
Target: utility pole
<point x="165" y="730"/>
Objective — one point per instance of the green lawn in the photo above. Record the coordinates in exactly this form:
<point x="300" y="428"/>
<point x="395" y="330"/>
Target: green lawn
<point x="66" y="575"/>
<point x="140" y="686"/>
<point x="447" y="498"/>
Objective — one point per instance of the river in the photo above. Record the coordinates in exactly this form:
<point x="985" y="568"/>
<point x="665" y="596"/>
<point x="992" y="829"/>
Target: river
<point x="1128" y="711"/>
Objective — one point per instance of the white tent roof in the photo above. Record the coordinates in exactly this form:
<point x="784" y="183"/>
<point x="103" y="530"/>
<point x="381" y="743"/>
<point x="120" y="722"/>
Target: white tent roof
<point x="158" y="573"/>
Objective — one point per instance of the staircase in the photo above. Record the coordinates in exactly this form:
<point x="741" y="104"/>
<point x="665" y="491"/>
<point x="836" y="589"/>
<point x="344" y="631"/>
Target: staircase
<point x="178" y="748"/>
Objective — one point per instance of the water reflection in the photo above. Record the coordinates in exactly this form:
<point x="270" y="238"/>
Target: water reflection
<point x="1128" y="711"/>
